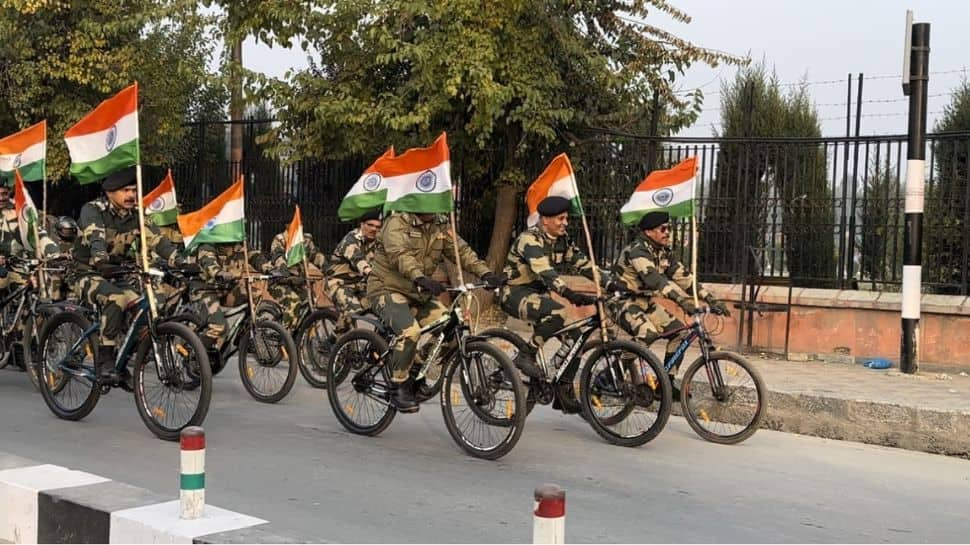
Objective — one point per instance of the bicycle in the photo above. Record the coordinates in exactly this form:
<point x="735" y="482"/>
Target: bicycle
<point x="166" y="356"/>
<point x="624" y="394"/>
<point x="458" y="367"/>
<point x="262" y="350"/>
<point x="706" y="398"/>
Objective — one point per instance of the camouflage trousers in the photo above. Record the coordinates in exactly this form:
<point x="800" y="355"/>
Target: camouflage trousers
<point x="292" y="300"/>
<point x="11" y="281"/>
<point x="349" y="299"/>
<point x="546" y="315"/>
<point x="405" y="317"/>
<point x="646" y="321"/>
<point x="210" y="306"/>
<point x="111" y="300"/>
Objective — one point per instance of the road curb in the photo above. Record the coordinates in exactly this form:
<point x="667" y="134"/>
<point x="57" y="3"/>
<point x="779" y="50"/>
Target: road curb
<point x="54" y="504"/>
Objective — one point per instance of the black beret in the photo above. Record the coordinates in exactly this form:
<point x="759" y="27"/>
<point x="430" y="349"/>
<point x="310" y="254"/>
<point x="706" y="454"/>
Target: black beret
<point x="117" y="180"/>
<point x="553" y="206"/>
<point x="374" y="214"/>
<point x="654" y="219"/>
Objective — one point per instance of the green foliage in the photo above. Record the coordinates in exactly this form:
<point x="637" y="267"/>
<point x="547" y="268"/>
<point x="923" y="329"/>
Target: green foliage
<point x="60" y="59"/>
<point x="761" y="185"/>
<point x="880" y="230"/>
<point x="945" y="229"/>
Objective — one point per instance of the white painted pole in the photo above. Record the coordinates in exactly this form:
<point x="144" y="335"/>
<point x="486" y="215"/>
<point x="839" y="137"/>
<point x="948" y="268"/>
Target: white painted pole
<point x="192" y="480"/>
<point x="549" y="515"/>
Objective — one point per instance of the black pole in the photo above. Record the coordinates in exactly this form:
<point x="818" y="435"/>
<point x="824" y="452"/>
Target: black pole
<point x="913" y="237"/>
<point x="850" y="262"/>
<point x="843" y="267"/>
<point x="654" y="132"/>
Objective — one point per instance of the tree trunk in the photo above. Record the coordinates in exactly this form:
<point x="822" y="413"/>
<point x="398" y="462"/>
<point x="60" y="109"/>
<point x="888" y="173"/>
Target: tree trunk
<point x="236" y="109"/>
<point x="505" y="212"/>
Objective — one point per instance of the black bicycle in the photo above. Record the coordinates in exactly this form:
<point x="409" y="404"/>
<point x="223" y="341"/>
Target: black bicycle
<point x="172" y="381"/>
<point x="481" y="394"/>
<point x="624" y="394"/>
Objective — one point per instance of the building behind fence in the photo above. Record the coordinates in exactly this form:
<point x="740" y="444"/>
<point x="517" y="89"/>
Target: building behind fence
<point x="823" y="212"/>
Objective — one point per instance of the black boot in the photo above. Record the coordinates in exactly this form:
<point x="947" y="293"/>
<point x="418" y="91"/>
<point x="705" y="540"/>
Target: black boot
<point x="105" y="360"/>
<point x="525" y="361"/>
<point x="402" y="396"/>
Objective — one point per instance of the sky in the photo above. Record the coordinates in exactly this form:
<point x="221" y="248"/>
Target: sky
<point x="820" y="41"/>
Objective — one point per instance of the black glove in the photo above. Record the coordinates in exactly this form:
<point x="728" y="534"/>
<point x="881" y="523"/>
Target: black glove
<point x="616" y="287"/>
<point x="107" y="269"/>
<point x="495" y="280"/>
<point x="433" y="287"/>
<point x="718" y="307"/>
<point x="688" y="306"/>
<point x="578" y="299"/>
<point x="190" y="268"/>
<point x="116" y="259"/>
<point x="225" y="277"/>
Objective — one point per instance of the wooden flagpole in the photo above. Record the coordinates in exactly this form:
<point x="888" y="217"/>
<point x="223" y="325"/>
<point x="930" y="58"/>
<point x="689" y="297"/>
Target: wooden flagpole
<point x="600" y="308"/>
<point x="149" y="291"/>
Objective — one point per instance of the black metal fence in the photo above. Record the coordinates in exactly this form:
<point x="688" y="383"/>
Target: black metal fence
<point x="825" y="212"/>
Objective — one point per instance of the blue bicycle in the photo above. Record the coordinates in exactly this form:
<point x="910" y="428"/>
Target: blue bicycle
<point x="170" y="372"/>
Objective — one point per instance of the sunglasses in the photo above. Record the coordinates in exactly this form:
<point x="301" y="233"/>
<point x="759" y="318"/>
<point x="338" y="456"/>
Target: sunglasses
<point x="664" y="228"/>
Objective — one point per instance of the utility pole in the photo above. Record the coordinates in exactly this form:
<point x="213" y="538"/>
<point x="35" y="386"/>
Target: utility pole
<point x="916" y="60"/>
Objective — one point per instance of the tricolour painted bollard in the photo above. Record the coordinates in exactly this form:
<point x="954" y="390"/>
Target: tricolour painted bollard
<point x="192" y="487"/>
<point x="549" y="516"/>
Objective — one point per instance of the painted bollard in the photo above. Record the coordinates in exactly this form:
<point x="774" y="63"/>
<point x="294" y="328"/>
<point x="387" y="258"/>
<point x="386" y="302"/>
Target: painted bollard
<point x="549" y="515"/>
<point x="192" y="487"/>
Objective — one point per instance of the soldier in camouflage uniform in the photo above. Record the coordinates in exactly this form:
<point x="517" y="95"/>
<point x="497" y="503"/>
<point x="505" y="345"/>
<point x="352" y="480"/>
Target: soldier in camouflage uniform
<point x="64" y="233"/>
<point x="647" y="268"/>
<point x="223" y="263"/>
<point x="109" y="226"/>
<point x="348" y="269"/>
<point x="532" y="266"/>
<point x="291" y="294"/>
<point x="5" y="193"/>
<point x="12" y="245"/>
<point x="401" y="291"/>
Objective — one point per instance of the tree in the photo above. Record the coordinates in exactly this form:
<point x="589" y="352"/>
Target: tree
<point x="767" y="189"/>
<point x="509" y="83"/>
<point x="61" y="59"/>
<point x="946" y="248"/>
<point x="881" y="223"/>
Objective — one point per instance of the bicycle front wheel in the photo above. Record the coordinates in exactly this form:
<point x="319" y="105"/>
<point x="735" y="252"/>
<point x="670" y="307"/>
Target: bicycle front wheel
<point x="723" y="398"/>
<point x="67" y="374"/>
<point x="625" y="395"/>
<point x="315" y="339"/>
<point x="172" y="380"/>
<point x="483" y="401"/>
<point x="267" y="361"/>
<point x="359" y="384"/>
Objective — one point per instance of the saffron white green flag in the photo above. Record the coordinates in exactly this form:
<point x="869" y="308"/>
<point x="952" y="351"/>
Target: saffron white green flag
<point x="27" y="217"/>
<point x="25" y="151"/>
<point x="221" y="220"/>
<point x="419" y="180"/>
<point x="295" y="247"/>
<point x="105" y="140"/>
<point x="669" y="190"/>
<point x="557" y="180"/>
<point x="368" y="193"/>
<point x="160" y="205"/>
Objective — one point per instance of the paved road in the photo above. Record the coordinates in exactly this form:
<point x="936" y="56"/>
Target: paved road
<point x="294" y="465"/>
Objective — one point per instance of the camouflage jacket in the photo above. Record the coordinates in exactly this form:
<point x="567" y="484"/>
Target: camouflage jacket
<point x="407" y="249"/>
<point x="228" y="256"/>
<point x="11" y="243"/>
<point x="108" y="231"/>
<point x="172" y="233"/>
<point x="537" y="259"/>
<point x="649" y="269"/>
<point x="277" y="253"/>
<point x="350" y="261"/>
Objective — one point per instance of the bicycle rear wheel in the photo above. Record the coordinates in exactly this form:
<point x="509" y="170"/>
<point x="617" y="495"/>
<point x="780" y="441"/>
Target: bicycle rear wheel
<point x="625" y="395"/>
<point x="267" y="361"/>
<point x="724" y="398"/>
<point x="315" y="340"/>
<point x="67" y="376"/>
<point x="173" y="386"/>
<point x="358" y="384"/>
<point x="483" y="401"/>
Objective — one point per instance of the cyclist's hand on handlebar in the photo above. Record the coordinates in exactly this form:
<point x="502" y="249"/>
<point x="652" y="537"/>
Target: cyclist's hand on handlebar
<point x="225" y="277"/>
<point x="616" y="287"/>
<point x="433" y="287"/>
<point x="689" y="307"/>
<point x="190" y="268"/>
<point x="718" y="307"/>
<point x="495" y="280"/>
<point x="108" y="270"/>
<point x="577" y="298"/>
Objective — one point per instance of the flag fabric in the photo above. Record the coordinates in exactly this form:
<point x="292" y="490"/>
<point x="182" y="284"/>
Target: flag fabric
<point x="221" y="220"/>
<point x="557" y="180"/>
<point x="160" y="205"/>
<point x="27" y="216"/>
<point x="105" y="140"/>
<point x="668" y="190"/>
<point x="419" y="180"/>
<point x="25" y="151"/>
<point x="295" y="248"/>
<point x="368" y="193"/>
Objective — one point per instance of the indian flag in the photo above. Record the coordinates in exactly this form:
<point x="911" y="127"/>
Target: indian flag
<point x="105" y="140"/>
<point x="368" y="193"/>
<point x="160" y="205"/>
<point x="419" y="180"/>
<point x="222" y="220"/>
<point x="295" y="249"/>
<point x="26" y="211"/>
<point x="25" y="151"/>
<point x="669" y="190"/>
<point x="557" y="180"/>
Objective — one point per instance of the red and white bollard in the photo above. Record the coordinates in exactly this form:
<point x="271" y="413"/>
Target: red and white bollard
<point x="549" y="517"/>
<point x="192" y="481"/>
